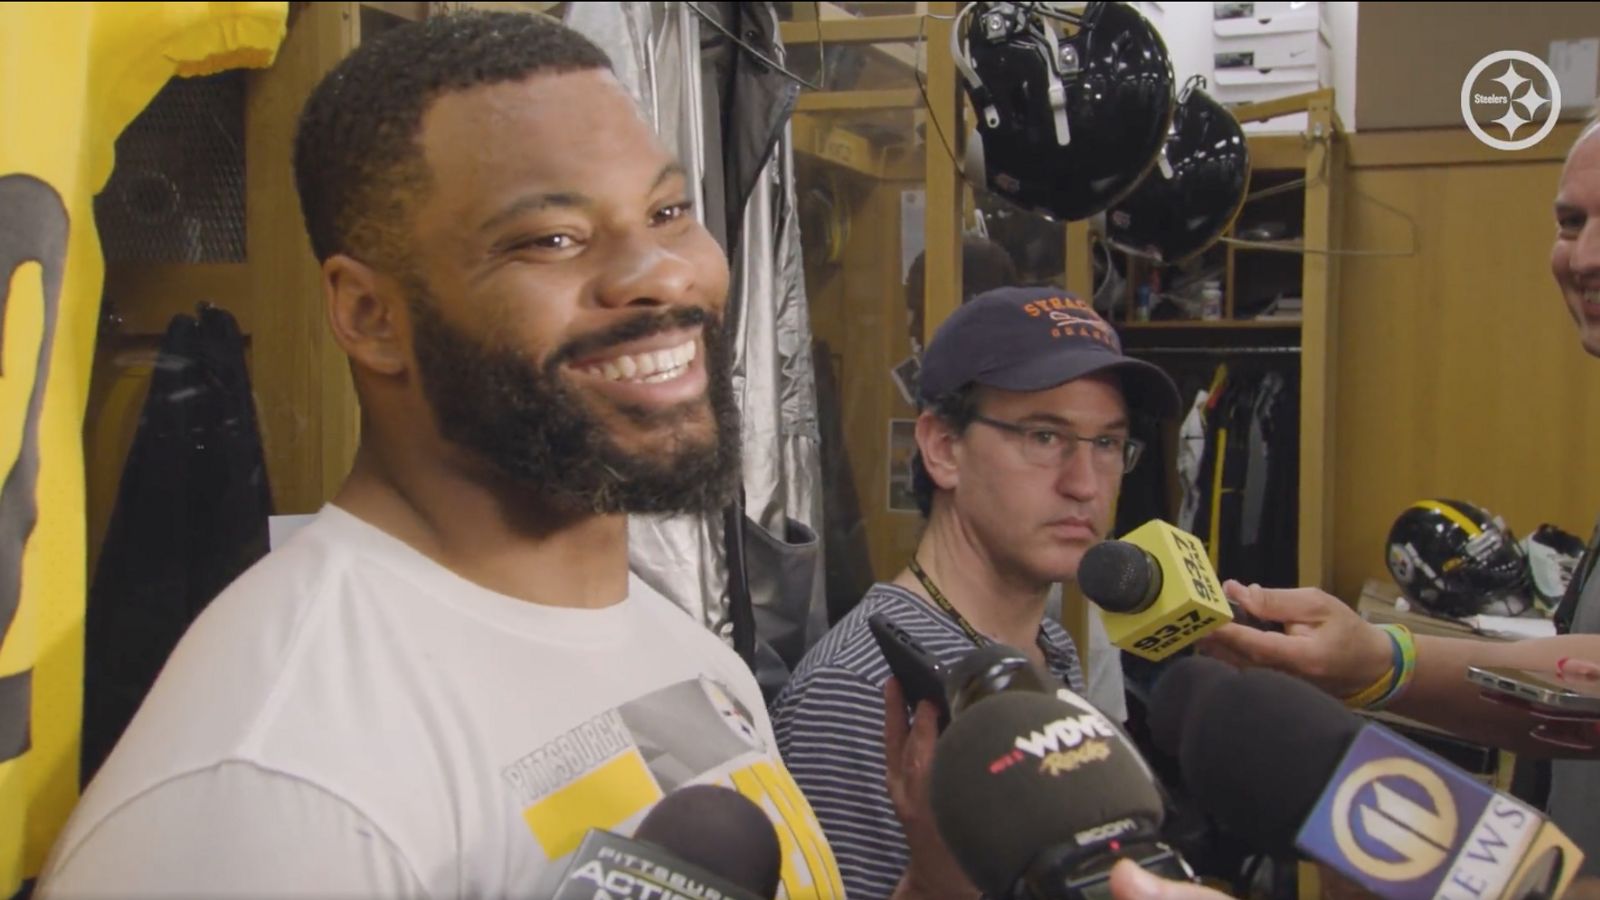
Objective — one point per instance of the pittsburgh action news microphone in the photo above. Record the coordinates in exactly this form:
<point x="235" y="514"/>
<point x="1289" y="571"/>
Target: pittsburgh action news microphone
<point x="1038" y="795"/>
<point x="1155" y="590"/>
<point x="1286" y="767"/>
<point x="700" y="842"/>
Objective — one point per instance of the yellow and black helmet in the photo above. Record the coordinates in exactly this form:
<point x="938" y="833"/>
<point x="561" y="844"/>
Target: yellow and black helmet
<point x="1453" y="559"/>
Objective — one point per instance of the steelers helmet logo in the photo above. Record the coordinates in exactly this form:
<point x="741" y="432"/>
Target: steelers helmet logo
<point x="1394" y="819"/>
<point x="1400" y="563"/>
<point x="732" y="713"/>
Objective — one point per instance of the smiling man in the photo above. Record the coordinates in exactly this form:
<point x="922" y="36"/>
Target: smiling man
<point x="442" y="682"/>
<point x="1021" y="447"/>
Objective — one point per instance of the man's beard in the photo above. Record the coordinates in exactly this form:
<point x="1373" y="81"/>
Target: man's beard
<point x="529" y="425"/>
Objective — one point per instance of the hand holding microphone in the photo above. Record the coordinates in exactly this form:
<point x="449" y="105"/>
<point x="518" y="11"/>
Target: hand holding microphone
<point x="945" y="692"/>
<point x="1130" y="882"/>
<point x="1157" y="594"/>
<point x="1322" y="639"/>
<point x="1155" y="590"/>
<point x="920" y="676"/>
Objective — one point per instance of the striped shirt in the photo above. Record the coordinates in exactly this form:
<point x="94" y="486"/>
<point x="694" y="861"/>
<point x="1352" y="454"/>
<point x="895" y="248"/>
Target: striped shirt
<point x="829" y="725"/>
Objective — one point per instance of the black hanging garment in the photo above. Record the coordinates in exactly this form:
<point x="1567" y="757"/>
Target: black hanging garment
<point x="1278" y="549"/>
<point x="1233" y="457"/>
<point x="190" y="517"/>
<point x="1145" y="492"/>
<point x="849" y="571"/>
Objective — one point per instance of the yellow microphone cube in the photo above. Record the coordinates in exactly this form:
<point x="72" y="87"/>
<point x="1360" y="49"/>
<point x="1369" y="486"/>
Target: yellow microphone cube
<point x="1548" y="867"/>
<point x="1190" y="604"/>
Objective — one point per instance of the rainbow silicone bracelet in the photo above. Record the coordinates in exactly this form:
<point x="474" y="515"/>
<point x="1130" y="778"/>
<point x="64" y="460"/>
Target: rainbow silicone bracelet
<point x="1393" y="682"/>
<point x="1406" y="669"/>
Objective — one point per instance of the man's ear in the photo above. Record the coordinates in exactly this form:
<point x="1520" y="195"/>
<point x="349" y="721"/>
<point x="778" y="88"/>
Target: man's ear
<point x="366" y="311"/>
<point x="937" y="442"/>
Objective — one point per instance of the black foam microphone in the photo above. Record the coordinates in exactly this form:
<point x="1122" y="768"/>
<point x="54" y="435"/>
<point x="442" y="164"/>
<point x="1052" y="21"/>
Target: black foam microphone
<point x="1287" y="768"/>
<point x="1038" y="795"/>
<point x="719" y="830"/>
<point x="1121" y="577"/>
<point x="698" y="841"/>
<point x="1178" y="692"/>
<point x="1155" y="590"/>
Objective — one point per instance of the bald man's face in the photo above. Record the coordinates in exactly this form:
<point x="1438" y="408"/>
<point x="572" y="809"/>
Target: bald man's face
<point x="1575" y="258"/>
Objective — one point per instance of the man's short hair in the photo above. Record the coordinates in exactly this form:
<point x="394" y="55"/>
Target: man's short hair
<point x="957" y="409"/>
<point x="1590" y="126"/>
<point x="985" y="265"/>
<point x="357" y="163"/>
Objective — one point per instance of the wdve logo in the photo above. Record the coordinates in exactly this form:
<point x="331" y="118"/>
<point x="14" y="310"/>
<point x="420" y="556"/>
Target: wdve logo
<point x="1510" y="100"/>
<point x="1394" y="819"/>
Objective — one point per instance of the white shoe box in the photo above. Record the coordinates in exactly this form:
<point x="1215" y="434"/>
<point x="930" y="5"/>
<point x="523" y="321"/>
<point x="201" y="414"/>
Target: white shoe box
<point x="1274" y="50"/>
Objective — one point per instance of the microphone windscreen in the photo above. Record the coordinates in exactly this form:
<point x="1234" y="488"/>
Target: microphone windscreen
<point x="981" y="661"/>
<point x="1178" y="694"/>
<point x="1118" y="576"/>
<point x="992" y="669"/>
<point x="1257" y="751"/>
<point x="1019" y="773"/>
<point x="720" y="831"/>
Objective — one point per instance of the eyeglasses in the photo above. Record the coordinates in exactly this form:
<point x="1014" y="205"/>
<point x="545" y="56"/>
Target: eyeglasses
<point x="1046" y="446"/>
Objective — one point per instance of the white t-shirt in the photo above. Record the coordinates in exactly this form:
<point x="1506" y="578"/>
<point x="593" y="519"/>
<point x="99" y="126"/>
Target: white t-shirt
<point x="351" y="719"/>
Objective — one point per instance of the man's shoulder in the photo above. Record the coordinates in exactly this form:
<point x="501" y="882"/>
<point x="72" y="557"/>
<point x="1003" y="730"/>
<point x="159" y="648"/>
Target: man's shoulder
<point x="262" y="648"/>
<point x="258" y="619"/>
<point x="849" y="647"/>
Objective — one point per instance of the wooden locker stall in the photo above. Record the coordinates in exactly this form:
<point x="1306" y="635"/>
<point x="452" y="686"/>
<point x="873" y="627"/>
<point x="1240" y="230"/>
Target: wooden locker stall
<point x="898" y="126"/>
<point x="304" y="399"/>
<point x="856" y="144"/>
<point x="1303" y="173"/>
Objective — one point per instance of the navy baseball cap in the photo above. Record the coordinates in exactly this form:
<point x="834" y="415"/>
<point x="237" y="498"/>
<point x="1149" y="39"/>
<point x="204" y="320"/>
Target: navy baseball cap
<point x="1034" y="339"/>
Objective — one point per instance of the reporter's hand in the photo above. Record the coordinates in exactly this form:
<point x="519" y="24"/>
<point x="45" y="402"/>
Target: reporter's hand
<point x="1129" y="882"/>
<point x="932" y="871"/>
<point x="1324" y="641"/>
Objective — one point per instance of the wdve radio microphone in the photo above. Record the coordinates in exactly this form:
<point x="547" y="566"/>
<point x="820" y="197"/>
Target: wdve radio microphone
<point x="1038" y="796"/>
<point x="1155" y="590"/>
<point x="1284" y="766"/>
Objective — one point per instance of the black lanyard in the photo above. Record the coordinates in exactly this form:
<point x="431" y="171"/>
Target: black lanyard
<point x="944" y="604"/>
<point x="960" y="620"/>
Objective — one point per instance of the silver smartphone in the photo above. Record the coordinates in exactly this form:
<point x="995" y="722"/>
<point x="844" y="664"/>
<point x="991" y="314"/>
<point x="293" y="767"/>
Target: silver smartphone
<point x="1540" y="689"/>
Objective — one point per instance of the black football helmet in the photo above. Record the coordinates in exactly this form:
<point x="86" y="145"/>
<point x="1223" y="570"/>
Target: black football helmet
<point x="1196" y="189"/>
<point x="1453" y="559"/>
<point x="1067" y="125"/>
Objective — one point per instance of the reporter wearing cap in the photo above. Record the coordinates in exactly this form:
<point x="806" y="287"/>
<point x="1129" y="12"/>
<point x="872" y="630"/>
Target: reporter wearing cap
<point x="1022" y="443"/>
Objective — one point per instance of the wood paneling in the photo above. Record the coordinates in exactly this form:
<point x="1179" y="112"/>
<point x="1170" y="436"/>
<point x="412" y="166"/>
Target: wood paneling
<point x="1445" y="146"/>
<point x="1459" y="371"/>
<point x="307" y="403"/>
<point x="858" y="307"/>
<point x="145" y="296"/>
<point x="1318" y="336"/>
<point x="942" y="228"/>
